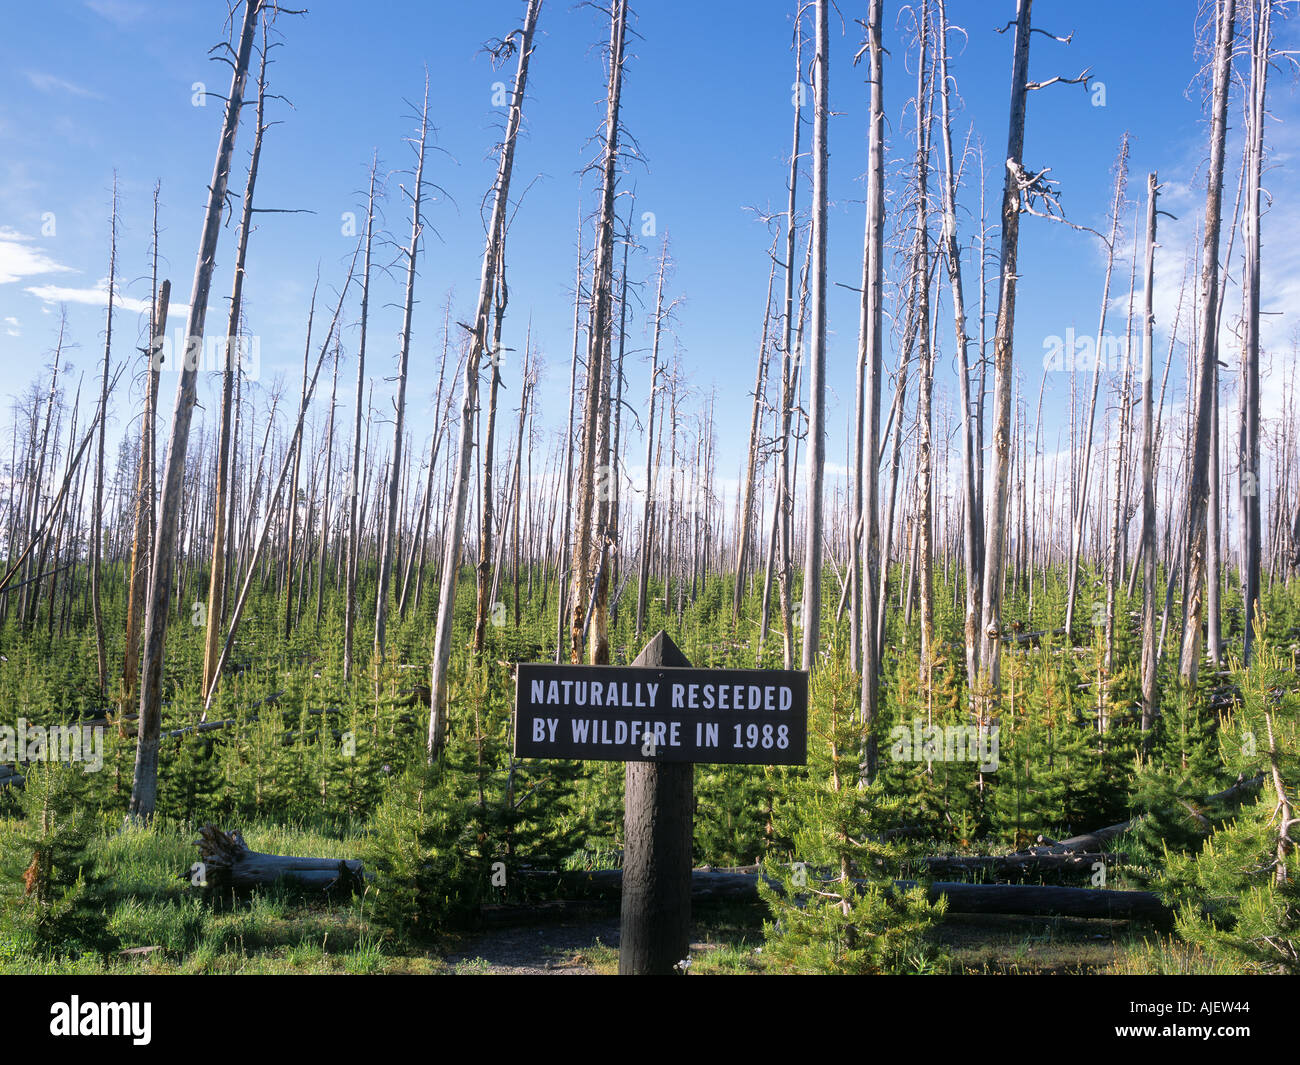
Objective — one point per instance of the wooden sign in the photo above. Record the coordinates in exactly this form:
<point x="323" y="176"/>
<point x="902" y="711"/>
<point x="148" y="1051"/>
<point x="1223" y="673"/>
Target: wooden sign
<point x="661" y="714"/>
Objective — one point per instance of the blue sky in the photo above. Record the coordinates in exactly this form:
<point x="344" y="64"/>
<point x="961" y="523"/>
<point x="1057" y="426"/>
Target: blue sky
<point x="90" y="87"/>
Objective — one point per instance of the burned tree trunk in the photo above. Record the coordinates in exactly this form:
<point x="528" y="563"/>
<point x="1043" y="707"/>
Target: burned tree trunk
<point x="1150" y="690"/>
<point x="564" y="562"/>
<point x="487" y="448"/>
<point x="651" y="475"/>
<point x="590" y="530"/>
<point x="388" y="549"/>
<point x="274" y="498"/>
<point x="97" y="511"/>
<point x="1003" y="365"/>
<point x="144" y="790"/>
<point x="972" y="532"/>
<point x="925" y="382"/>
<point x="1251" y="487"/>
<point x="354" y="478"/>
<point x="1198" y="490"/>
<point x="217" y="578"/>
<point x="226" y="863"/>
<point x="142" y="539"/>
<point x="455" y="527"/>
<point x="812" y="598"/>
<point x="866" y="574"/>
<point x="751" y="456"/>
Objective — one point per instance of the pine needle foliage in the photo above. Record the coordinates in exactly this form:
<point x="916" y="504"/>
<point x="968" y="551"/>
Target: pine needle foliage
<point x="834" y="906"/>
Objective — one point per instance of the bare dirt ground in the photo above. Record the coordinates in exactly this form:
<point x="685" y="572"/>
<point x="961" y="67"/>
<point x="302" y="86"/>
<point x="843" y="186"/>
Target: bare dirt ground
<point x="581" y="941"/>
<point x="565" y="948"/>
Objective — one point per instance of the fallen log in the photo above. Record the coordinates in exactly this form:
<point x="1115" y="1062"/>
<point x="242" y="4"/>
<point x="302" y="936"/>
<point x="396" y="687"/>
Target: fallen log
<point x="707" y="885"/>
<point x="1038" y="901"/>
<point x="741" y="885"/>
<point x="226" y="862"/>
<point x="1097" y="839"/>
<point x="1019" y="866"/>
<point x="1034" y="639"/>
<point x="226" y="722"/>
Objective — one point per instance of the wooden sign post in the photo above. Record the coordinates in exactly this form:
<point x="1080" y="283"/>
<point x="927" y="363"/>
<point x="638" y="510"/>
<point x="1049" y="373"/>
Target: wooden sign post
<point x="658" y="828"/>
<point x="660" y="716"/>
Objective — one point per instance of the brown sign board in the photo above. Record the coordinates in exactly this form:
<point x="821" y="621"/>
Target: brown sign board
<point x="661" y="714"/>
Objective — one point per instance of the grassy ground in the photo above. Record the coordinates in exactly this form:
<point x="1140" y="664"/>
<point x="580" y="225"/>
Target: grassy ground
<point x="163" y="924"/>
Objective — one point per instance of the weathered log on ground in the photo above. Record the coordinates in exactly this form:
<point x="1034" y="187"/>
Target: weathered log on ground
<point x="1019" y="866"/>
<point x="1033" y="639"/>
<point x="226" y="862"/>
<point x="226" y="722"/>
<point x="1097" y="840"/>
<point x="1037" y="901"/>
<point x="707" y="885"/>
<point x="741" y="885"/>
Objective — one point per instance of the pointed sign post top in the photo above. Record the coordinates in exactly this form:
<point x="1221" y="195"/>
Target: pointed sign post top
<point x="661" y="651"/>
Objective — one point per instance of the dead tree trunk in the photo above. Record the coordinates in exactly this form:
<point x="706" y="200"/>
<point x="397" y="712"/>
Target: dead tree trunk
<point x="291" y="512"/>
<point x="487" y="448"/>
<point x="354" y="478"/>
<point x="925" y="384"/>
<point x="1208" y="351"/>
<point x="589" y="551"/>
<point x="1150" y="691"/>
<point x="751" y="456"/>
<point x="1251" y="487"/>
<point x="971" y="528"/>
<point x="325" y="493"/>
<point x="812" y="598"/>
<point x="274" y="498"/>
<point x="1085" y="469"/>
<point x="1003" y="364"/>
<point x="217" y="577"/>
<point x="566" y="456"/>
<point x="651" y="474"/>
<point x="789" y="367"/>
<point x="97" y="511"/>
<point x="866" y="574"/>
<point x="395" y="470"/>
<point x="144" y="790"/>
<point x="226" y="863"/>
<point x="455" y="527"/>
<point x="142" y="540"/>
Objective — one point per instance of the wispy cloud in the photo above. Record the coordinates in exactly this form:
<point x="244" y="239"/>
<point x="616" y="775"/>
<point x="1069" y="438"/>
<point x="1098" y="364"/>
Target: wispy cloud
<point x="95" y="297"/>
<point x="119" y="12"/>
<point x="51" y="83"/>
<point x="19" y="258"/>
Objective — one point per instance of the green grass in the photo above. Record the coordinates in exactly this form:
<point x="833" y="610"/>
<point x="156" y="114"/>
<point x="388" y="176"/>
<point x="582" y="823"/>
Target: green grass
<point x="311" y="784"/>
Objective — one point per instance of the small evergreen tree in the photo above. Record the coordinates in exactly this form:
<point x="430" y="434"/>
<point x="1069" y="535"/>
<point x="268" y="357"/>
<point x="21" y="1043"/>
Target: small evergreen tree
<point x="1238" y="898"/>
<point x="428" y="876"/>
<point x="48" y="881"/>
<point x="834" y="907"/>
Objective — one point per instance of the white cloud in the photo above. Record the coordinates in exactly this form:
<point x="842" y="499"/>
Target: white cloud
<point x="52" y="83"/>
<point x="96" y="296"/>
<point x="120" y="12"/>
<point x="19" y="259"/>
